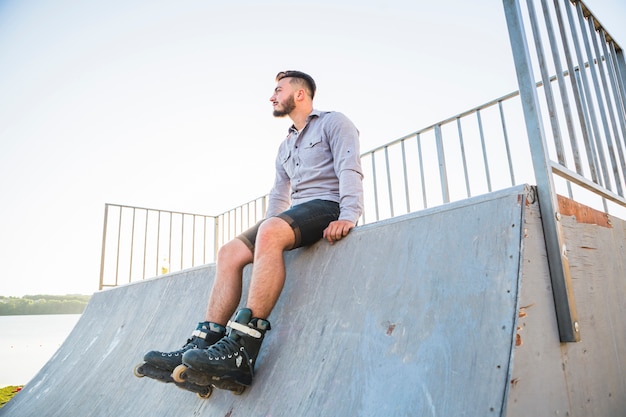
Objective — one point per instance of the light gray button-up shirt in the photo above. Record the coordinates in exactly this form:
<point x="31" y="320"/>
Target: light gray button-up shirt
<point x="322" y="161"/>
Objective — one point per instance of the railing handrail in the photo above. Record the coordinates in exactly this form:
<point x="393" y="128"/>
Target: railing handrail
<point x="157" y="210"/>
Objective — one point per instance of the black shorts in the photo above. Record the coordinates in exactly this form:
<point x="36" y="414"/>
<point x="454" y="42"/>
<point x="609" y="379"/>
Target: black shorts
<point x="308" y="221"/>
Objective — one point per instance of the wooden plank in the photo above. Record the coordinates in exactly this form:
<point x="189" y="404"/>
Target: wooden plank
<point x="582" y="213"/>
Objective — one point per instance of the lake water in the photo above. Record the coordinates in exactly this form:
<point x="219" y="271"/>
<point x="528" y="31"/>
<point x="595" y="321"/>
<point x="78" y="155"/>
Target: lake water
<point x="28" y="342"/>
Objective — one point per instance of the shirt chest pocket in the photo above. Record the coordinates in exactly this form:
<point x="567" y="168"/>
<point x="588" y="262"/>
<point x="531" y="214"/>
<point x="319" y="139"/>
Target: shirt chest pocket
<point x="314" y="152"/>
<point x="287" y="162"/>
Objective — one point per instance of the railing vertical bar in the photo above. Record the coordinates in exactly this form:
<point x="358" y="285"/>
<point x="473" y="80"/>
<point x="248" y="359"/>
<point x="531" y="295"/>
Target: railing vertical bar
<point x="182" y="239"/>
<point x="145" y="245"/>
<point x="593" y="97"/>
<point x="406" y="179"/>
<point x="620" y="73"/>
<point x="610" y="85"/>
<point x="241" y="223"/>
<point x="587" y="114"/>
<point x="545" y="77"/>
<point x="484" y="149"/>
<point x="463" y="157"/>
<point x="104" y="241"/>
<point x="578" y="89"/>
<point x="225" y="226"/>
<point x="158" y="248"/>
<point x="132" y="247"/>
<point x="119" y="236"/>
<point x="264" y="205"/>
<point x="422" y="174"/>
<point x="230" y="226"/>
<point x="193" y="241"/>
<point x="249" y="206"/>
<point x="590" y="146"/>
<point x="389" y="188"/>
<point x="443" y="171"/>
<point x="363" y="218"/>
<point x="375" y="180"/>
<point x="594" y="76"/>
<point x="204" y="242"/>
<point x="620" y="93"/>
<point x="216" y="236"/>
<point x="567" y="109"/>
<point x="505" y="135"/>
<point x="169" y="252"/>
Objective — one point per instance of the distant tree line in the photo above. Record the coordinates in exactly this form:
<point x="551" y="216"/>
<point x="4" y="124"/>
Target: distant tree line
<point x="43" y="304"/>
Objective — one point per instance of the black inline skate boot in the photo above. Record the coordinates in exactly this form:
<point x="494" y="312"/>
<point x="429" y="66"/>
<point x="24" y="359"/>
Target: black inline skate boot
<point x="232" y="359"/>
<point x="159" y="365"/>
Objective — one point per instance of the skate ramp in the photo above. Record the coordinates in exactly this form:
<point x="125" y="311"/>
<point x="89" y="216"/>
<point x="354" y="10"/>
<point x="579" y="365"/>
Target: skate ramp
<point x="413" y="316"/>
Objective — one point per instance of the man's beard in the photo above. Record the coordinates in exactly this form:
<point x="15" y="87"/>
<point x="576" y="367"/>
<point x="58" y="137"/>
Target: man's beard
<point x="288" y="106"/>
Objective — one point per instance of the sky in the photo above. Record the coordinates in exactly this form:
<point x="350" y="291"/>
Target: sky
<point x="165" y="105"/>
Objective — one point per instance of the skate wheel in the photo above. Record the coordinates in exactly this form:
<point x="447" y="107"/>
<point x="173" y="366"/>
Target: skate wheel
<point x="138" y="371"/>
<point x="239" y="390"/>
<point x="205" y="393"/>
<point x="178" y="374"/>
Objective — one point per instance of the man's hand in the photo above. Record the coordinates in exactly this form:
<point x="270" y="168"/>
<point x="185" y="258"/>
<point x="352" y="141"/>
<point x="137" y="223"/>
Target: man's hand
<point x="337" y="230"/>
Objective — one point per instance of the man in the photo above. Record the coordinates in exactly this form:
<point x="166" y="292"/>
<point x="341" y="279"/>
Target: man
<point x="317" y="194"/>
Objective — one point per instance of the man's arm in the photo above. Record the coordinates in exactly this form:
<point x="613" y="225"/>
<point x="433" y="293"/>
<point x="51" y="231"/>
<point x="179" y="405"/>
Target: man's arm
<point x="344" y="141"/>
<point x="279" y="198"/>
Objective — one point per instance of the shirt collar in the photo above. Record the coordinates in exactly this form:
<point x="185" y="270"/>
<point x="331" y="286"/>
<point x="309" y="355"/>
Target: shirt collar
<point x="314" y="113"/>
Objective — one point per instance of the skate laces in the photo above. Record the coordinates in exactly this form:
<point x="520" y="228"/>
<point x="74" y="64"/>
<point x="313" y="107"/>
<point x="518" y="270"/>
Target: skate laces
<point x="191" y="343"/>
<point x="226" y="347"/>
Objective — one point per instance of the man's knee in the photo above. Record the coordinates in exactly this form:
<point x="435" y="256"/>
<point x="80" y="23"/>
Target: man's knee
<point x="275" y="233"/>
<point x="235" y="253"/>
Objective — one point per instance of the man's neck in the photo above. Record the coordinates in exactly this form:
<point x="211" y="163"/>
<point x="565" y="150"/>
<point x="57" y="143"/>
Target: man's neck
<point x="299" y="117"/>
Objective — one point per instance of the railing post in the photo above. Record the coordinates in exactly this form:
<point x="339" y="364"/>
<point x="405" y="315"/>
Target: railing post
<point x="443" y="170"/>
<point x="104" y="241"/>
<point x="216" y="237"/>
<point x="548" y="203"/>
<point x="620" y="68"/>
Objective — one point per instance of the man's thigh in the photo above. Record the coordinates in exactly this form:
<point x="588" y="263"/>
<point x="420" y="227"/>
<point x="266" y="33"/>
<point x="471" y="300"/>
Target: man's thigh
<point x="307" y="220"/>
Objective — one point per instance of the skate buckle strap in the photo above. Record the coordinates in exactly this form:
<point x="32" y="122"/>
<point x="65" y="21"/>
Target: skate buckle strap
<point x="245" y="329"/>
<point x="200" y="334"/>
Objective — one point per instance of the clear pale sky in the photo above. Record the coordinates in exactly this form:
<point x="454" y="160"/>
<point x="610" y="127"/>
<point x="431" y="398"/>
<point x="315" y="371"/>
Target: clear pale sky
<point x="165" y="104"/>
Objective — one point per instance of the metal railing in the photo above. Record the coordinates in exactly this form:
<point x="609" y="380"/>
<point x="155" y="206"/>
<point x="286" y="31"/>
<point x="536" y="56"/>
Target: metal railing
<point x="141" y="242"/>
<point x="574" y="117"/>
<point x="586" y="123"/>
<point x="579" y="123"/>
<point x="471" y="153"/>
<point x="451" y="160"/>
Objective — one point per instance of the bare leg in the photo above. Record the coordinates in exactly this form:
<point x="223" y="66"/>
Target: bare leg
<point x="226" y="291"/>
<point x="268" y="275"/>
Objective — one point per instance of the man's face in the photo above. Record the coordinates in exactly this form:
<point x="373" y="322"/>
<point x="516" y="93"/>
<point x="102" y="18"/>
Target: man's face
<point x="283" y="98"/>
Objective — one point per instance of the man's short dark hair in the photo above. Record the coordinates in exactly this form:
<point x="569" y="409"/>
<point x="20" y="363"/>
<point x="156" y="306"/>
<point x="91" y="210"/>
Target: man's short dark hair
<point x="308" y="80"/>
